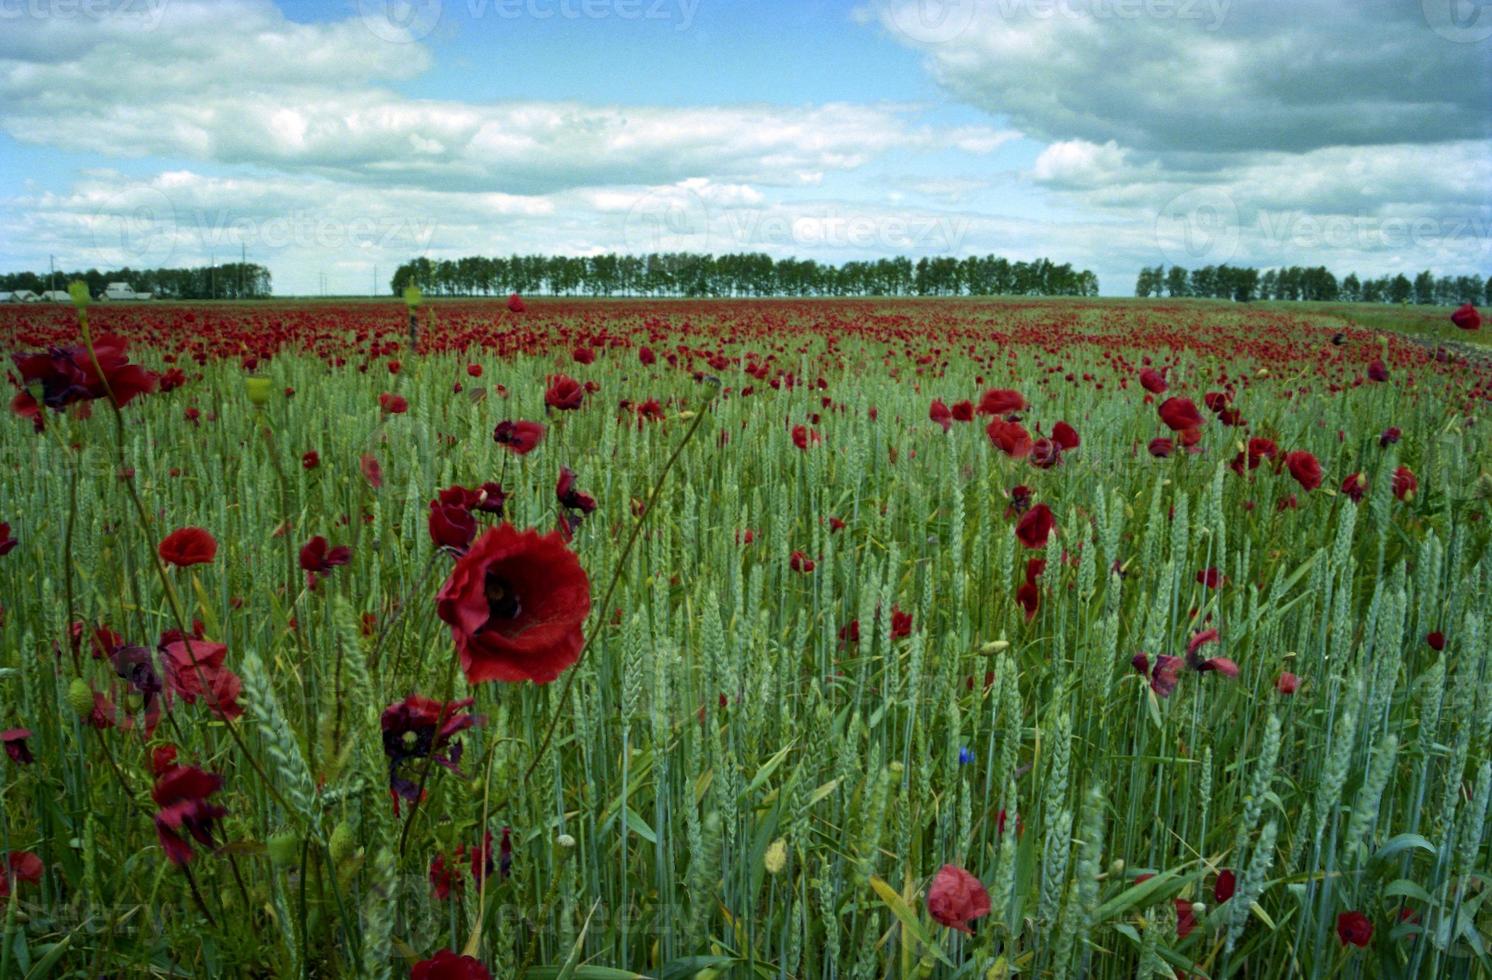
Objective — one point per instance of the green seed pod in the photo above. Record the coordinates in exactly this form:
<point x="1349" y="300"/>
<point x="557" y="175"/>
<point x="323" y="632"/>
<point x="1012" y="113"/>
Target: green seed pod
<point x="80" y="696"/>
<point x="343" y="844"/>
<point x="284" y="848"/>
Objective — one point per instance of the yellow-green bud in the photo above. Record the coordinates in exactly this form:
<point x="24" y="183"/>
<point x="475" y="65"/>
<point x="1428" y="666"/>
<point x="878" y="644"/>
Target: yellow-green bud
<point x="259" y="388"/>
<point x="80" y="696"/>
<point x="343" y="843"/>
<point x="412" y="296"/>
<point x="776" y="857"/>
<point x="78" y="292"/>
<point x="284" y="848"/>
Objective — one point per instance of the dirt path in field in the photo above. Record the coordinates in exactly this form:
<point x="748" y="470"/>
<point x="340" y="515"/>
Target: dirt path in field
<point x="1474" y="353"/>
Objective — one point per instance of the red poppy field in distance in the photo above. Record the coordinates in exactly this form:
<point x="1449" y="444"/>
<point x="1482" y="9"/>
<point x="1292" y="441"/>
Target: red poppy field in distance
<point x="860" y="638"/>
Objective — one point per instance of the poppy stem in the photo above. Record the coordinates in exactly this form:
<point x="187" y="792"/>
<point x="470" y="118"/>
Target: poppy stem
<point x="616" y="576"/>
<point x="440" y="720"/>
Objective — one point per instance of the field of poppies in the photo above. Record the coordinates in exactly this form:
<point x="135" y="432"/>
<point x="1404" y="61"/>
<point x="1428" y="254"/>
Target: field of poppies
<point x="778" y="639"/>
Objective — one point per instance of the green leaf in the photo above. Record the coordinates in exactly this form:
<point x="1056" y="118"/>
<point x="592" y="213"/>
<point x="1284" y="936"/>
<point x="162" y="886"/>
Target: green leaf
<point x="1403" y="842"/>
<point x="907" y="917"/>
<point x="640" y="826"/>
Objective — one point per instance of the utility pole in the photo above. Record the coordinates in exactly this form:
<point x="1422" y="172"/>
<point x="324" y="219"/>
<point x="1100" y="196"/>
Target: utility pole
<point x="52" y="279"/>
<point x="212" y="275"/>
<point x="374" y="293"/>
<point x="243" y="261"/>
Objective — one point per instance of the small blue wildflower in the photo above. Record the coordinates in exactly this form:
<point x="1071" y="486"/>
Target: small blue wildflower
<point x="965" y="756"/>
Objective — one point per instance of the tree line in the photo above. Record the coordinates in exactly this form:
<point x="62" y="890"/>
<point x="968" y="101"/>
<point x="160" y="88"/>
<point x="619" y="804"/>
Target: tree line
<point x="229" y="280"/>
<point x="1318" y="283"/>
<point x="746" y="274"/>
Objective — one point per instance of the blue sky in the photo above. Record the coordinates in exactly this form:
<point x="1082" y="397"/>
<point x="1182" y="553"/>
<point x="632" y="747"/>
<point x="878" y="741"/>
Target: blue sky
<point x="333" y="139"/>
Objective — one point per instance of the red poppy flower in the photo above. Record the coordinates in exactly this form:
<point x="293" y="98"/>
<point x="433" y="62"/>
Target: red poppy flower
<point x="474" y="370"/>
<point x="516" y="602"/>
<point x="317" y="557"/>
<point x="20" y="866"/>
<point x="1227" y="883"/>
<point x="569" y="497"/>
<point x="1001" y="401"/>
<point x="1045" y="454"/>
<point x="1435" y="640"/>
<point x="7" y="543"/>
<point x="419" y="728"/>
<point x="372" y="471"/>
<point x="516" y="304"/>
<point x="799" y="562"/>
<point x="803" y="437"/>
<point x="310" y="460"/>
<point x="1466" y="317"/>
<point x="181" y="792"/>
<point x="646" y="356"/>
<point x="451" y="525"/>
<point x="1186" y="921"/>
<point x="393" y="404"/>
<point x="1405" y="483"/>
<point x="963" y="411"/>
<point x="446" y="965"/>
<point x="1389" y="437"/>
<point x="564" y="393"/>
<point x="1153" y="381"/>
<point x="188" y="546"/>
<point x="1355" y="928"/>
<point x="1065" y="436"/>
<point x="901" y="623"/>
<point x="1304" y="467"/>
<point x="1011" y="438"/>
<point x="1179" y="414"/>
<point x="69" y="375"/>
<point x="16" y="747"/>
<point x="1034" y="526"/>
<point x="1161" y="448"/>
<point x="194" y="669"/>
<point x="956" y="898"/>
<point x="1163" y="677"/>
<point x="940" y="414"/>
<point x="1028" y="597"/>
<point x="443" y="878"/>
<point x="1287" y="683"/>
<point x="1354" y="487"/>
<point x="1210" y="577"/>
<point x="1377" y="371"/>
<point x="520" y="437"/>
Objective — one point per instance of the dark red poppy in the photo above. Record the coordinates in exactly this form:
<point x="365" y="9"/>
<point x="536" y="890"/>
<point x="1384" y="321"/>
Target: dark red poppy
<point x="7" y="543"/>
<point x="1287" y="683"/>
<point x="451" y="525"/>
<point x="317" y="557"/>
<point x="799" y="562"/>
<point x="956" y="898"/>
<point x="1389" y="437"/>
<point x="1466" y="317"/>
<point x="20" y="866"/>
<point x="940" y="414"/>
<point x="1210" y="577"/>
<point x="1011" y="438"/>
<point x="1186" y="921"/>
<point x="422" y="728"/>
<point x="1153" y="381"/>
<point x="195" y="669"/>
<point x="1435" y="640"/>
<point x="1180" y="414"/>
<point x="1161" y="448"/>
<point x="1227" y="883"/>
<point x="576" y="504"/>
<point x="803" y="437"/>
<point x="372" y="471"/>
<point x="1304" y="467"/>
<point x="1377" y="371"/>
<point x="68" y="375"/>
<point x="474" y="370"/>
<point x="564" y="393"/>
<point x="1354" y="928"/>
<point x="963" y="411"/>
<point x="16" y="747"/>
<point x="1035" y="525"/>
<point x="1354" y="487"/>
<point x="583" y="355"/>
<point x="1406" y="484"/>
<point x="520" y="437"/>
<point x="443" y="878"/>
<point x="1028" y="597"/>
<point x="1065" y="436"/>
<point x="310" y="460"/>
<point x="188" y="546"/>
<point x="393" y="404"/>
<point x="1260" y="449"/>
<point x="516" y="602"/>
<point x="446" y="965"/>
<point x="181" y="792"/>
<point x="901" y="623"/>
<point x="646" y="356"/>
<point x="1001" y="401"/>
<point x="1045" y="454"/>
<point x="1163" y="676"/>
<point x="516" y="304"/>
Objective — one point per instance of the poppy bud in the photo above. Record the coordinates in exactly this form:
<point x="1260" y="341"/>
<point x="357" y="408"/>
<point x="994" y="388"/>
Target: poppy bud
<point x="776" y="857"/>
<point x="78" y="293"/>
<point x="343" y="843"/>
<point x="284" y="848"/>
<point x="412" y="297"/>
<point x="258" y="388"/>
<point x="80" y="697"/>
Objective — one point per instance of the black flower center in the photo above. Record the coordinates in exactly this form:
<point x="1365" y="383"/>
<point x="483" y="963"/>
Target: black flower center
<point x="502" y="600"/>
